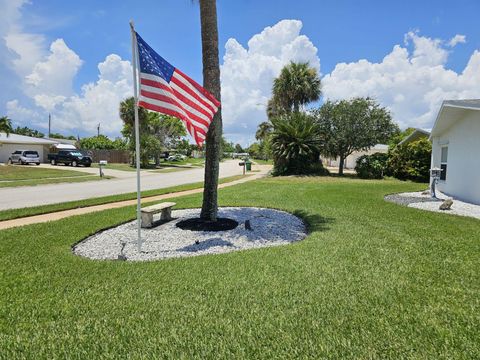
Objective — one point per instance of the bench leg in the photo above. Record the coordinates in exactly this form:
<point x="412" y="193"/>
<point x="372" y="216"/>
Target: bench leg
<point x="166" y="214"/>
<point x="147" y="220"/>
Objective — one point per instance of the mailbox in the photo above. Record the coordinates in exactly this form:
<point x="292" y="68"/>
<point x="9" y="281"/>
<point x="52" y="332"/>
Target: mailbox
<point x="435" y="174"/>
<point x="101" y="164"/>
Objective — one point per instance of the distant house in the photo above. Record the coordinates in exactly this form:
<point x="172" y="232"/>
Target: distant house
<point x="8" y="144"/>
<point x="417" y="134"/>
<point x="456" y="149"/>
<point x="20" y="142"/>
<point x="351" y="159"/>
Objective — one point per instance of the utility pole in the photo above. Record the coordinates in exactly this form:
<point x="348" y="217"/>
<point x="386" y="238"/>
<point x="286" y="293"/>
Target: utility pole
<point x="98" y="129"/>
<point x="49" y="124"/>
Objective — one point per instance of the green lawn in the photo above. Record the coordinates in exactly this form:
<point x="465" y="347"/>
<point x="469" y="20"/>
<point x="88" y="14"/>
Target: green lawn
<point x="114" y="166"/>
<point x="35" y="182"/>
<point x="263" y="162"/>
<point x="373" y="280"/>
<point x="14" y="176"/>
<point x="31" y="172"/>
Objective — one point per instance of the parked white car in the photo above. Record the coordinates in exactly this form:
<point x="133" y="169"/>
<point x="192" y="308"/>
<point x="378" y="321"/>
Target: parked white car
<point x="24" y="157"/>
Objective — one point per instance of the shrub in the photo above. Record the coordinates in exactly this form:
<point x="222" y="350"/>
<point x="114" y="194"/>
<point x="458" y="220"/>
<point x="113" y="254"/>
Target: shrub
<point x="371" y="166"/>
<point x="295" y="144"/>
<point x="411" y="161"/>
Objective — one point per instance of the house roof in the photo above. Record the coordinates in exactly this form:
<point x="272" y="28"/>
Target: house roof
<point x="21" y="139"/>
<point x="415" y="135"/>
<point x="452" y="111"/>
<point x="62" y="141"/>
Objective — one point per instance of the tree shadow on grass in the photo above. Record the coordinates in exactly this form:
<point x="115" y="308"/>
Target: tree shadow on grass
<point x="314" y="222"/>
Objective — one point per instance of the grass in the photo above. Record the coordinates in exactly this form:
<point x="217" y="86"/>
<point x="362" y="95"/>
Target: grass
<point x="14" y="176"/>
<point x="35" y="182"/>
<point x="31" y="172"/>
<point x="114" y="166"/>
<point x="45" y="209"/>
<point x="373" y="280"/>
<point x="263" y="162"/>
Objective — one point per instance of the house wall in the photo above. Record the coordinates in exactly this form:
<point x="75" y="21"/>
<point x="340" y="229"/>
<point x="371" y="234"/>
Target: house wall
<point x="351" y="160"/>
<point x="7" y="149"/>
<point x="463" y="163"/>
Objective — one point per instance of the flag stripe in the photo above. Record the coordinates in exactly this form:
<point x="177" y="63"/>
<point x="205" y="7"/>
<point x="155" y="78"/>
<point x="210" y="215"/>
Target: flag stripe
<point x="179" y="90"/>
<point x="172" y="112"/>
<point x="152" y="86"/>
<point x="190" y="90"/>
<point x="176" y="107"/>
<point x="171" y="100"/>
<point x="200" y="89"/>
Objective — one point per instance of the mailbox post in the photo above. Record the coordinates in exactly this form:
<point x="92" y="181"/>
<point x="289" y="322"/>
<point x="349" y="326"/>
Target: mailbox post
<point x="242" y="163"/>
<point x="435" y="175"/>
<point x="101" y="164"/>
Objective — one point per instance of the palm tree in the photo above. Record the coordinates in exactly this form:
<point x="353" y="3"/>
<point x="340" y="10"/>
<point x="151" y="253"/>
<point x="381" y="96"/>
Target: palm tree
<point x="296" y="142"/>
<point x="263" y="130"/>
<point x="211" y="82"/>
<point x="5" y="125"/>
<point x="297" y="84"/>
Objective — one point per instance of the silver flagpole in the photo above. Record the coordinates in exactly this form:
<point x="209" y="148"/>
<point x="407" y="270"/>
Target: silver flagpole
<point x="137" y="133"/>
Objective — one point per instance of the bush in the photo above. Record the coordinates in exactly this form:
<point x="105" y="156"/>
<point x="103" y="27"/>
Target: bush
<point x="295" y="145"/>
<point x="411" y="161"/>
<point x="371" y="166"/>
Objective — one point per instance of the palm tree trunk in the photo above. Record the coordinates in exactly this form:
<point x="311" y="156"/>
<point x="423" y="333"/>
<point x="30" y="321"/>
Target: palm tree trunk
<point x="211" y="82"/>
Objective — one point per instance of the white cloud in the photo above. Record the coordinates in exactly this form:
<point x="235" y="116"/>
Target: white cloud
<point x="247" y="74"/>
<point x="457" y="39"/>
<point x="54" y="75"/>
<point x="99" y="101"/>
<point x="25" y="48"/>
<point x="411" y="84"/>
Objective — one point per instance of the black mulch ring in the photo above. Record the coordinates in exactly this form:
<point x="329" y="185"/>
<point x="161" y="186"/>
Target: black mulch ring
<point x="197" y="224"/>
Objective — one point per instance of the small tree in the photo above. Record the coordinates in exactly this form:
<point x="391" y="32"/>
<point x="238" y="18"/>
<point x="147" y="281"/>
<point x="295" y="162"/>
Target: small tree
<point x="353" y="125"/>
<point x="371" y="166"/>
<point x="296" y="144"/>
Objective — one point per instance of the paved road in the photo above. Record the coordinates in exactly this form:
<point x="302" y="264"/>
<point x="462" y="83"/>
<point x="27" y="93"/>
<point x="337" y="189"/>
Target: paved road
<point x="25" y="196"/>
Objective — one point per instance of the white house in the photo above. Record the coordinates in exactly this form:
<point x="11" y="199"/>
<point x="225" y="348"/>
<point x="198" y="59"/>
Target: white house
<point x="456" y="149"/>
<point x="351" y="160"/>
<point x="8" y="144"/>
<point x="417" y="134"/>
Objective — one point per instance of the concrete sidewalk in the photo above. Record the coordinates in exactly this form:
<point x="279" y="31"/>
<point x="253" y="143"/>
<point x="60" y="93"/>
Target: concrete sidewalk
<point x="27" y="196"/>
<point x="36" y="219"/>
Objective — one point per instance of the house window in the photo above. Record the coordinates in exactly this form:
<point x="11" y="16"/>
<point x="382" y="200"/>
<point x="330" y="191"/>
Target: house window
<point x="443" y="163"/>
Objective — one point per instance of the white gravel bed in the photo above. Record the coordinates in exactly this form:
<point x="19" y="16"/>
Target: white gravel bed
<point x="269" y="228"/>
<point x="426" y="202"/>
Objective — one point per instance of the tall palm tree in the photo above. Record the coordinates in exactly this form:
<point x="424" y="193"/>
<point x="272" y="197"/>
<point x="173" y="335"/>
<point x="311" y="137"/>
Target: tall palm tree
<point x="211" y="82"/>
<point x="5" y="125"/>
<point x="263" y="130"/>
<point x="297" y="85"/>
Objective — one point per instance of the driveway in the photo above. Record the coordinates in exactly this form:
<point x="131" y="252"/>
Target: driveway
<point x="25" y="196"/>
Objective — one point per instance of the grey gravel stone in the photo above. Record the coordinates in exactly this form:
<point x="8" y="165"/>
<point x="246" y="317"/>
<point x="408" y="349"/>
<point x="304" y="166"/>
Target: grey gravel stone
<point x="268" y="228"/>
<point x="426" y="202"/>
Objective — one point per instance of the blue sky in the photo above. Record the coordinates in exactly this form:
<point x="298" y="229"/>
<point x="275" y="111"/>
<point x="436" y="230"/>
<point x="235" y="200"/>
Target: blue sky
<point x="358" y="33"/>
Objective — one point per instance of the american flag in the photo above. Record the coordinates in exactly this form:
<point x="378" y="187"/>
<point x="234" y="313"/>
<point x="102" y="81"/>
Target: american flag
<point x="167" y="90"/>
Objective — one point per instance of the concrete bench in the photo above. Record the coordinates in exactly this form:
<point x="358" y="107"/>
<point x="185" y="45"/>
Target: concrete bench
<point x="148" y="212"/>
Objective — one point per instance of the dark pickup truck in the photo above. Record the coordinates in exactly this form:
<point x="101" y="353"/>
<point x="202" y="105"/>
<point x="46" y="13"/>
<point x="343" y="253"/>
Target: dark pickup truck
<point x="70" y="157"/>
